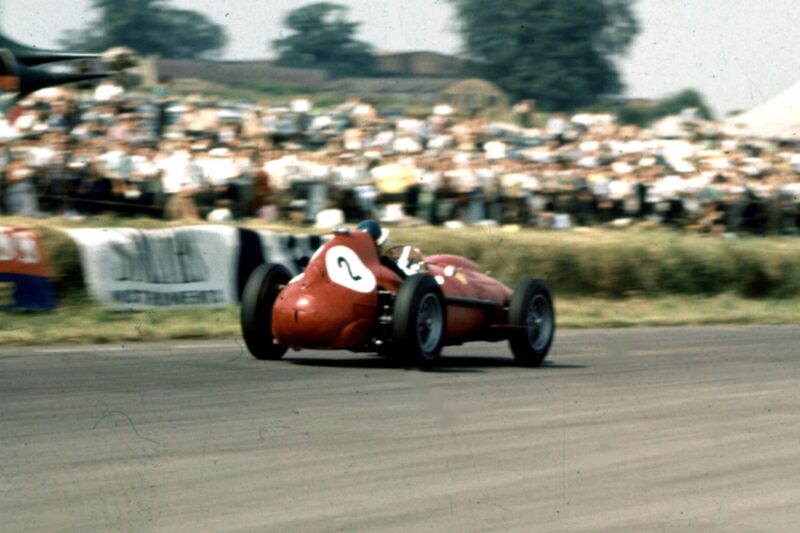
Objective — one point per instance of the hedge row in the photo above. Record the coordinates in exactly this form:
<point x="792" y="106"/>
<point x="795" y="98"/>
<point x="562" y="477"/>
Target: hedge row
<point x="592" y="262"/>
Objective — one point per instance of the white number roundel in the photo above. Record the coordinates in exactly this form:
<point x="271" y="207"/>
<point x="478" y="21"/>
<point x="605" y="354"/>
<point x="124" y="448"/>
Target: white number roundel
<point x="345" y="268"/>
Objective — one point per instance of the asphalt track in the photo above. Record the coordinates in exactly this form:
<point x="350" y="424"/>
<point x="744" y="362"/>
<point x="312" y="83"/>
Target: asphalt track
<point x="677" y="429"/>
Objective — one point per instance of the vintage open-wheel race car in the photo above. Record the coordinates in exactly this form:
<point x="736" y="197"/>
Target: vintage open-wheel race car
<point x="352" y="298"/>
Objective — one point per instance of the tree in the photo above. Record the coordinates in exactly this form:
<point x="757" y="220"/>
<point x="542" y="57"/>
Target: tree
<point x="643" y="115"/>
<point x="323" y="38"/>
<point x="560" y="52"/>
<point x="149" y="27"/>
<point x="687" y="98"/>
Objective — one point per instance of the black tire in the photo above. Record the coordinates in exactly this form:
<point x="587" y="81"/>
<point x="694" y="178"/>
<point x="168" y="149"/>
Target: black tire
<point x="259" y="294"/>
<point x="419" y="321"/>
<point x="531" y="306"/>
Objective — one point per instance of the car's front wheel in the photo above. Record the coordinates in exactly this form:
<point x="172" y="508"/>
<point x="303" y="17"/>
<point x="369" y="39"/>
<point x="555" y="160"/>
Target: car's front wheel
<point x="259" y="295"/>
<point x="531" y="310"/>
<point x="419" y="320"/>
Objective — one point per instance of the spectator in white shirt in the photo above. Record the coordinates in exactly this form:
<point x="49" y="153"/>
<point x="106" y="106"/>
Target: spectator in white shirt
<point x="181" y="178"/>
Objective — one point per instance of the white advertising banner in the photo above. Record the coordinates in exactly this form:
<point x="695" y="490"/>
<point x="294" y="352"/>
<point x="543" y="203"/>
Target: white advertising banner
<point x="128" y="268"/>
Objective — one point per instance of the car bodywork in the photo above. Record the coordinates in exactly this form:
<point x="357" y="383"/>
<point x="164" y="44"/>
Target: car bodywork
<point x="347" y="299"/>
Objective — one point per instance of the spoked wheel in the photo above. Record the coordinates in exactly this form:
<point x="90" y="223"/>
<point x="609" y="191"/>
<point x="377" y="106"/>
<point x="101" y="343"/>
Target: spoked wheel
<point x="419" y="320"/>
<point x="532" y="308"/>
<point x="259" y="295"/>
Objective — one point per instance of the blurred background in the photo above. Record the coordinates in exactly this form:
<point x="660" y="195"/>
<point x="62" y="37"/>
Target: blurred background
<point x="640" y="156"/>
<point x="542" y="113"/>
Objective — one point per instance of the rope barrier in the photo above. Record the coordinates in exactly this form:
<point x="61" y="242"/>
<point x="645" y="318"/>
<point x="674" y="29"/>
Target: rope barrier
<point x="74" y="199"/>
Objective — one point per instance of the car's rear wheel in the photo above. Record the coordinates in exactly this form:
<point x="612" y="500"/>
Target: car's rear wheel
<point x="532" y="310"/>
<point x="259" y="295"/>
<point x="419" y="320"/>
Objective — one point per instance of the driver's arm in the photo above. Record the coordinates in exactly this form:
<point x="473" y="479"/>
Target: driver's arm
<point x="391" y="265"/>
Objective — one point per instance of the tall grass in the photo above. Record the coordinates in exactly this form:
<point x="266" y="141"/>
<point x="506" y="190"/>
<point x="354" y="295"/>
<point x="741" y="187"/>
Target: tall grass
<point x="626" y="263"/>
<point x="591" y="262"/>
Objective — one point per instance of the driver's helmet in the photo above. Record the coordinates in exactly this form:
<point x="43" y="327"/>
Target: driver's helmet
<point x="378" y="234"/>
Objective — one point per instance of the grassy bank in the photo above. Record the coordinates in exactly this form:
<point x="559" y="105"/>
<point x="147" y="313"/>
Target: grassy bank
<point x="88" y="323"/>
<point x="601" y="278"/>
<point x="607" y="263"/>
<point x="587" y="262"/>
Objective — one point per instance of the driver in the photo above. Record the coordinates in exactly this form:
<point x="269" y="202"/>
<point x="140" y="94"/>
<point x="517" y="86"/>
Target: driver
<point x="403" y="260"/>
<point x="379" y="235"/>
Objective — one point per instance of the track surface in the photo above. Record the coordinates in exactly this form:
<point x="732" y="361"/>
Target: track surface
<point x="681" y="429"/>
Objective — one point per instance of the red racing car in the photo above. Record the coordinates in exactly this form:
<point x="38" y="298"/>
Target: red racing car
<point x="350" y="297"/>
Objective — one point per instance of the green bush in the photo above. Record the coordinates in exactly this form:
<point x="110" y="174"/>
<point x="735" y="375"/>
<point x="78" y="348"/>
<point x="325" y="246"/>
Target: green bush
<point x="65" y="261"/>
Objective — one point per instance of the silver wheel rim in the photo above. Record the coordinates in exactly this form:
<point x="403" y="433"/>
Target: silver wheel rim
<point x="539" y="322"/>
<point x="429" y="323"/>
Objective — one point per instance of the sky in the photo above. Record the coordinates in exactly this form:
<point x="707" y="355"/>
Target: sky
<point x="738" y="53"/>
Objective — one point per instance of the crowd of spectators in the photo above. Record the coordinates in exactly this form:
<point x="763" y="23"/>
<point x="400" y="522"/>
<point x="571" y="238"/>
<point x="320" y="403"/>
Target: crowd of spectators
<point x="64" y="152"/>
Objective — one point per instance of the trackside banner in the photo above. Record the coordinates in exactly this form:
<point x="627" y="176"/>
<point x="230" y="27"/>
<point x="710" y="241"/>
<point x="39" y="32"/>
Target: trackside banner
<point x="261" y="246"/>
<point x="24" y="271"/>
<point x="128" y="268"/>
<point x="292" y="251"/>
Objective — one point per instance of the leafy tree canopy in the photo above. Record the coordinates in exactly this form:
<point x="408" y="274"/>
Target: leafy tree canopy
<point x="643" y="115"/>
<point x="149" y="27"/>
<point x="323" y="38"/>
<point x="560" y="52"/>
<point x="687" y="98"/>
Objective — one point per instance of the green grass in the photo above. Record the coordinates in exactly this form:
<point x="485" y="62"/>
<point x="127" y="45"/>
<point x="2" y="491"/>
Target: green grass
<point x="600" y="278"/>
<point x="87" y="323"/>
<point x="594" y="262"/>
<point x="675" y="311"/>
<point x="91" y="324"/>
<point x="636" y="262"/>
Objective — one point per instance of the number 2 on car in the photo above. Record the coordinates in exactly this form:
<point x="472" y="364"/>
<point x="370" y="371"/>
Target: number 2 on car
<point x="346" y="268"/>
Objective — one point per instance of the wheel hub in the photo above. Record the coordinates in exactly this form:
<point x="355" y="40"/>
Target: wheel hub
<point x="539" y="322"/>
<point x="429" y="322"/>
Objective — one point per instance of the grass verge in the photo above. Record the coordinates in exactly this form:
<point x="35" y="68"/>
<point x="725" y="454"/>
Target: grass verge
<point x="87" y="323"/>
<point x="600" y="277"/>
<point x="593" y="262"/>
